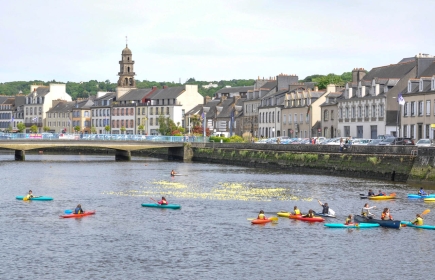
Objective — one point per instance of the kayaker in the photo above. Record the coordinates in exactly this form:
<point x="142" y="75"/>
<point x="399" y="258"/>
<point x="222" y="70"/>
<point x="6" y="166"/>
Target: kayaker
<point x="79" y="210"/>
<point x="172" y="173"/>
<point x="422" y="192"/>
<point x="381" y="193"/>
<point x="261" y="215"/>
<point x="325" y="207"/>
<point x="163" y="201"/>
<point x="310" y="214"/>
<point x="386" y="214"/>
<point x="418" y="220"/>
<point x="365" y="211"/>
<point x="29" y="195"/>
<point x="371" y="193"/>
<point x="349" y="220"/>
<point x="296" y="211"/>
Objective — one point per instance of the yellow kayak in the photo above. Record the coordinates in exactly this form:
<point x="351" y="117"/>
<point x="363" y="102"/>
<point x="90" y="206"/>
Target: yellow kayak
<point x="381" y="197"/>
<point x="283" y="214"/>
<point x="431" y="199"/>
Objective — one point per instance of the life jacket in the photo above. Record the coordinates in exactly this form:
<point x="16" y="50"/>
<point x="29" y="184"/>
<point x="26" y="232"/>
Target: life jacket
<point x="386" y="216"/>
<point x="364" y="212"/>
<point x="164" y="202"/>
<point x="348" y="221"/>
<point x="325" y="209"/>
<point x="297" y="211"/>
<point x="419" y="221"/>
<point x="78" y="211"/>
<point x="261" y="217"/>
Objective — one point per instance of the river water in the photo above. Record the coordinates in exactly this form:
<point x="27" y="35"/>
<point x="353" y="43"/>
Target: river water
<point x="210" y="237"/>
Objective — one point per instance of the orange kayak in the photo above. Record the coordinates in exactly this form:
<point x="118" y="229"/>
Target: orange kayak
<point x="87" y="213"/>
<point x="261" y="221"/>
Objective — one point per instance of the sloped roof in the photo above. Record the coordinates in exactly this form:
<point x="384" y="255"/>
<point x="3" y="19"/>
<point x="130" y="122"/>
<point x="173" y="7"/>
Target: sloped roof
<point x="135" y="94"/>
<point x="195" y="110"/>
<point x="269" y="85"/>
<point x="390" y="71"/>
<point x="429" y="72"/>
<point x="227" y="108"/>
<point x="170" y="92"/>
<point x="3" y="99"/>
<point x="40" y="91"/>
<point x="20" y="100"/>
<point x="62" y="107"/>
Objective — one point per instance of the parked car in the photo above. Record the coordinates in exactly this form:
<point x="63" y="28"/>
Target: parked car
<point x="404" y="141"/>
<point x="374" y="142"/>
<point x="388" y="141"/>
<point x="360" y="141"/>
<point x="425" y="143"/>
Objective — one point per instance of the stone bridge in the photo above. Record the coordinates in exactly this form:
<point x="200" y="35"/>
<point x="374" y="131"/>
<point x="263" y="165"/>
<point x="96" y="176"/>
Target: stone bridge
<point x="122" y="148"/>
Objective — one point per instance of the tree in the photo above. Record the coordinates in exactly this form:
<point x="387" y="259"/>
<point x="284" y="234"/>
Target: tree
<point x="34" y="128"/>
<point x="141" y="127"/>
<point x="46" y="128"/>
<point x="93" y="129"/>
<point x="346" y="77"/>
<point x="107" y="128"/>
<point x="168" y="127"/>
<point x="323" y="81"/>
<point x="123" y="129"/>
<point x="21" y="127"/>
<point x="8" y="129"/>
<point x="77" y="128"/>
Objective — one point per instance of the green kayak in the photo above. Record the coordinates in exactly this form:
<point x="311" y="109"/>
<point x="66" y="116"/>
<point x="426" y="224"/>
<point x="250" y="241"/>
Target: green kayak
<point x="156" y="205"/>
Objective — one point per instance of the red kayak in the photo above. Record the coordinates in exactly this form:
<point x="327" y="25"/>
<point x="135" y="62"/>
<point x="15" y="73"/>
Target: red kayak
<point x="302" y="218"/>
<point x="87" y="213"/>
<point x="261" y="221"/>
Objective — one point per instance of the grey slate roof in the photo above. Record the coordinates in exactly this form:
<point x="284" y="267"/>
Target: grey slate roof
<point x="107" y="96"/>
<point x="195" y="110"/>
<point x="390" y="71"/>
<point x="62" y="107"/>
<point x="212" y="104"/>
<point x="270" y="85"/>
<point x="171" y="92"/>
<point x="227" y="108"/>
<point x="135" y="94"/>
<point x="429" y="72"/>
<point x="20" y="100"/>
<point x="41" y="91"/>
<point x="3" y="99"/>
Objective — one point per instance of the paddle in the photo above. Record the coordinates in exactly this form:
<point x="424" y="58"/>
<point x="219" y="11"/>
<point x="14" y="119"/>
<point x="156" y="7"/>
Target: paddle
<point x="393" y="194"/>
<point x="153" y="199"/>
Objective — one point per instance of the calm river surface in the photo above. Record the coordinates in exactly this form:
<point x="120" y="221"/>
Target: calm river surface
<point x="210" y="237"/>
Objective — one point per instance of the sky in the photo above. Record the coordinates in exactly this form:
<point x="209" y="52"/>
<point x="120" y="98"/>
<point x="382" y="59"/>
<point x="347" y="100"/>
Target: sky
<point x="208" y="40"/>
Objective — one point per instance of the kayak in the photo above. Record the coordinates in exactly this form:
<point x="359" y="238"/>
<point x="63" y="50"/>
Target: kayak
<point x="72" y="215"/>
<point x="324" y="215"/>
<point x="284" y="214"/>
<point x="41" y="198"/>
<point x="421" y="196"/>
<point x="429" y="199"/>
<point x="261" y="221"/>
<point x="306" y="219"/>
<point x="382" y="223"/>
<point x="156" y="205"/>
<point x="409" y="224"/>
<point x="381" y="197"/>
<point x="360" y="225"/>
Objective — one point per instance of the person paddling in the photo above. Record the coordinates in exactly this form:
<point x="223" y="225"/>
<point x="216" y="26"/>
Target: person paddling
<point x="29" y="195"/>
<point x="325" y="207"/>
<point x="381" y="193"/>
<point x="261" y="215"/>
<point x="422" y="192"/>
<point x="386" y="214"/>
<point x="79" y="209"/>
<point x="349" y="220"/>
<point x="310" y="214"/>
<point x="296" y="211"/>
<point x="418" y="220"/>
<point x="365" y="211"/>
<point x="173" y="173"/>
<point x="371" y="193"/>
<point x="162" y="201"/>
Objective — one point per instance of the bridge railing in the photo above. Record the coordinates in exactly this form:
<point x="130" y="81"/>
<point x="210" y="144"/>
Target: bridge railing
<point x="100" y="137"/>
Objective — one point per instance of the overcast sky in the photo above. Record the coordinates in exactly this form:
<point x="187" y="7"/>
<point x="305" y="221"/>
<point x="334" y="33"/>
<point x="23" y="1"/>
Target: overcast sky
<point x="208" y="40"/>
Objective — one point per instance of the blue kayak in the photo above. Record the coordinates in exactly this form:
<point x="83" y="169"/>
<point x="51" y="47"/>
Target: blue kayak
<point x="358" y="225"/>
<point x="156" y="205"/>
<point x="421" y="196"/>
<point x="41" y="198"/>
<point x="409" y="224"/>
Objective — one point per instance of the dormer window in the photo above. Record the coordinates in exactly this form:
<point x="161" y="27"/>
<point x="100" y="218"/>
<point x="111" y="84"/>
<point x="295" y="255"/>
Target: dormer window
<point x="420" y="85"/>
<point x="432" y="84"/>
<point x="409" y="86"/>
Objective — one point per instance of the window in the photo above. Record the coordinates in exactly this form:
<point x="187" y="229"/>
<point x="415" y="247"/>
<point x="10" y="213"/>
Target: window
<point x="167" y="110"/>
<point x="420" y="108"/>
<point x="289" y="118"/>
<point x="340" y="113"/>
<point x="131" y="111"/>
<point x="373" y="111"/>
<point x="296" y="118"/>
<point x="353" y="112"/>
<point x="381" y="110"/>
<point x="412" y="131"/>
<point x="346" y="131"/>
<point x="157" y="112"/>
<point x="157" y="121"/>
<point x="302" y="118"/>
<point x="359" y="112"/>
<point x="412" y="108"/>
<point x="405" y="109"/>
<point x="131" y="123"/>
<point x="326" y="115"/>
<point x="284" y="119"/>
<point x="151" y="111"/>
<point x="426" y="131"/>
<point x="332" y="115"/>
<point x="427" y="108"/>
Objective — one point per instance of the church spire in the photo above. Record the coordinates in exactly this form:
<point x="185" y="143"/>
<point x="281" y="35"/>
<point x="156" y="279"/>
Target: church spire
<point x="126" y="73"/>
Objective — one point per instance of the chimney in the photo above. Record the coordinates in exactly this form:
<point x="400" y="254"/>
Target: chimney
<point x="361" y="74"/>
<point x="316" y="88"/>
<point x="154" y="87"/>
<point x="206" y="99"/>
<point x="165" y="87"/>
